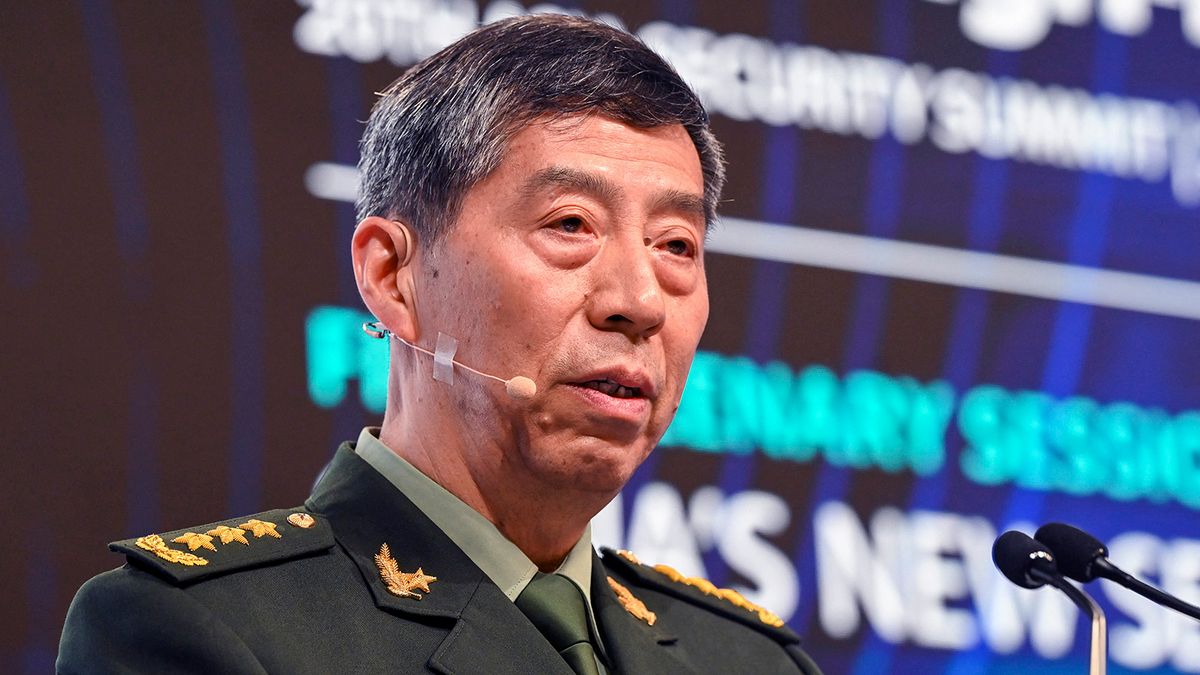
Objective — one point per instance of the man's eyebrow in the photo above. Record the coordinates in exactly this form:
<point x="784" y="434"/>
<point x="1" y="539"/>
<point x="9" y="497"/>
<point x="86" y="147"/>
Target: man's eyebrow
<point x="566" y="177"/>
<point x="687" y="203"/>
<point x="681" y="201"/>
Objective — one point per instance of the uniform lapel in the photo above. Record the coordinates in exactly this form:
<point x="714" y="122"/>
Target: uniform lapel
<point x="486" y="633"/>
<point x="493" y="636"/>
<point x="631" y="644"/>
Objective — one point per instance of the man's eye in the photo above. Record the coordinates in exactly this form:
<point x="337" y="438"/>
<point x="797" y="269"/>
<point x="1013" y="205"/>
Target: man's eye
<point x="571" y="224"/>
<point x="678" y="247"/>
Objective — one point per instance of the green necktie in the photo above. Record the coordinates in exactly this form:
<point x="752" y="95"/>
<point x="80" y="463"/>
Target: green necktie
<point x="555" y="605"/>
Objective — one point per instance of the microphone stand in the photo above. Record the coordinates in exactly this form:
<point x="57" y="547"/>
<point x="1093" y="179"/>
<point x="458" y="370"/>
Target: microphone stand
<point x="1107" y="570"/>
<point x="1098" y="661"/>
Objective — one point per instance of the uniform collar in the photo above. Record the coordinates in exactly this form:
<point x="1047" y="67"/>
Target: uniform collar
<point x="500" y="559"/>
<point x="365" y="510"/>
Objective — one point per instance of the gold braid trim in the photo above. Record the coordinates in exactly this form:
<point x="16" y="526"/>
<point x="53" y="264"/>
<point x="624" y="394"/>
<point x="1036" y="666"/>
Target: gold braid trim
<point x="727" y="594"/>
<point x="158" y="547"/>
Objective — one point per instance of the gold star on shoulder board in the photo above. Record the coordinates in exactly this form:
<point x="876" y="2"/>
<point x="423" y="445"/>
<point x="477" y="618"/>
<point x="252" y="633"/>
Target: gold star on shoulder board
<point x="401" y="584"/>
<point x="195" y="541"/>
<point x="229" y="534"/>
<point x="260" y="527"/>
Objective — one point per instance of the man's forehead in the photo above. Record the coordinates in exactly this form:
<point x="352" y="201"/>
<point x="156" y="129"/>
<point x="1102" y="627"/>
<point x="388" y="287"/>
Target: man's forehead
<point x="567" y="129"/>
<point x="540" y="146"/>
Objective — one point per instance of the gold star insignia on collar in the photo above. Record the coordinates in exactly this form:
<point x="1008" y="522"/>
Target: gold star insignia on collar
<point x="195" y="541"/>
<point x="631" y="604"/>
<point x="401" y="584"/>
<point x="260" y="527"/>
<point x="229" y="534"/>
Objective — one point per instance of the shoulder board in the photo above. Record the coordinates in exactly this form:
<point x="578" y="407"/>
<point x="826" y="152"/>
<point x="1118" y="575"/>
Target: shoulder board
<point x="701" y="592"/>
<point x="204" y="551"/>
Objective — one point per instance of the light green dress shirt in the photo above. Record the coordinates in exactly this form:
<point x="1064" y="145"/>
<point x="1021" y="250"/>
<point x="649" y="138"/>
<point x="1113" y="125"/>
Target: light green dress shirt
<point x="500" y="559"/>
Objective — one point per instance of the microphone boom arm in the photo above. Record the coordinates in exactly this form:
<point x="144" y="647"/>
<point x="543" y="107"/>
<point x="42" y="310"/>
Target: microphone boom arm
<point x="1098" y="660"/>
<point x="1103" y="568"/>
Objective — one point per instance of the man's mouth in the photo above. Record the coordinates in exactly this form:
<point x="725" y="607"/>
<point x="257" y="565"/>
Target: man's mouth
<point x="611" y="388"/>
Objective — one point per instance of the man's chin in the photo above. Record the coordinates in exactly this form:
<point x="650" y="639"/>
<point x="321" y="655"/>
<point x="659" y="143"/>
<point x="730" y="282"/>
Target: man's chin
<point x="591" y="465"/>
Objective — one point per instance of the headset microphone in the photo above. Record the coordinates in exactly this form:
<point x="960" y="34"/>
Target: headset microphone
<point x="520" y="387"/>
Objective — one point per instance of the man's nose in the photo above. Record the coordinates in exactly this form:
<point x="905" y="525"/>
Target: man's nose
<point x="627" y="296"/>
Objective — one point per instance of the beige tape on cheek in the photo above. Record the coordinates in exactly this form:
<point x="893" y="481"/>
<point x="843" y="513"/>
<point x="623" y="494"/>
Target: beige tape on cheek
<point x="443" y="359"/>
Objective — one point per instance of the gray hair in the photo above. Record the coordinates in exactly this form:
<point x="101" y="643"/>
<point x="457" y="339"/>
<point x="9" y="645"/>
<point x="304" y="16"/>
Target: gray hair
<point x="445" y="124"/>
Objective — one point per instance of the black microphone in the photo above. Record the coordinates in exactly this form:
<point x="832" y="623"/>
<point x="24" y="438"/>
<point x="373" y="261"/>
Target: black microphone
<point x="1084" y="558"/>
<point x="1029" y="564"/>
<point x="1024" y="561"/>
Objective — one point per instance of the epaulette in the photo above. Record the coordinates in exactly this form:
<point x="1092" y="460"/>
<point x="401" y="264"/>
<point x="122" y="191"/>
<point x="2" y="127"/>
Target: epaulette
<point x="701" y="592"/>
<point x="205" y="551"/>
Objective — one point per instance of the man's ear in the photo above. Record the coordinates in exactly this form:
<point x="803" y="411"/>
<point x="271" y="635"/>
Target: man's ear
<point x="383" y="251"/>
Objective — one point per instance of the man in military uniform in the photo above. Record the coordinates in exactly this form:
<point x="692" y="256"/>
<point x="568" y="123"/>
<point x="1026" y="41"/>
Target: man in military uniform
<point x="533" y="210"/>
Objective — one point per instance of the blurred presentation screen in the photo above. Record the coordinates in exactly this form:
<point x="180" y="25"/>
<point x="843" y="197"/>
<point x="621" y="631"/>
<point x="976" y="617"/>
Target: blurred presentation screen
<point x="955" y="291"/>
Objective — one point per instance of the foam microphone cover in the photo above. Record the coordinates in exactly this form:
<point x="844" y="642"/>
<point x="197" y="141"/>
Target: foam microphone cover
<point x="1075" y="551"/>
<point x="521" y="388"/>
<point x="1016" y="554"/>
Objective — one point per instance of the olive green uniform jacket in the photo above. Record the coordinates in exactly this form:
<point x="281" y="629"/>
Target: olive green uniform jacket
<point x="312" y="600"/>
